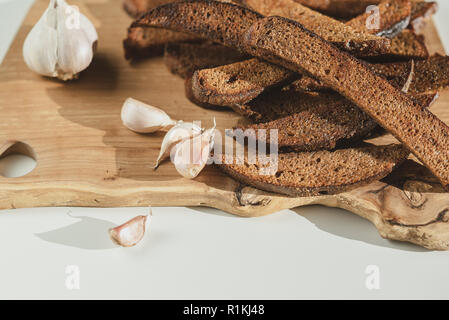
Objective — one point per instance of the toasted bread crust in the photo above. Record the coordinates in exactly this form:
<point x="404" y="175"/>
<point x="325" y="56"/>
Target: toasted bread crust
<point x="213" y="20"/>
<point x="394" y="16"/>
<point x="184" y="59"/>
<point x="191" y="97"/>
<point x="405" y="46"/>
<point x="339" y="8"/>
<point x="322" y="172"/>
<point x="357" y="41"/>
<point x="429" y="75"/>
<point x="239" y="82"/>
<point x="286" y="42"/>
<point x="150" y="42"/>
<point x="310" y="121"/>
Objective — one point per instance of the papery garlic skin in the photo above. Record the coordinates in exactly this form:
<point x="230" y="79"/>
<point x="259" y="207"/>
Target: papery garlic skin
<point x="143" y="118"/>
<point x="130" y="233"/>
<point x="191" y="156"/>
<point x="62" y="43"/>
<point x="180" y="132"/>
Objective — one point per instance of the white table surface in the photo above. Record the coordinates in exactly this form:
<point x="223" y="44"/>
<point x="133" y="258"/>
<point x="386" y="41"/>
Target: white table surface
<point x="201" y="253"/>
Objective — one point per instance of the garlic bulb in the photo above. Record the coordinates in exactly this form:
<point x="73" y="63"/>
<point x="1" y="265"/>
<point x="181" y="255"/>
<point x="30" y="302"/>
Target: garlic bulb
<point x="131" y="232"/>
<point x="143" y="118"/>
<point x="62" y="43"/>
<point x="180" y="132"/>
<point x="191" y="156"/>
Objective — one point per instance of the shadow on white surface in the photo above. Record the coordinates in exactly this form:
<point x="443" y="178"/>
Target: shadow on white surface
<point x="347" y="225"/>
<point x="87" y="233"/>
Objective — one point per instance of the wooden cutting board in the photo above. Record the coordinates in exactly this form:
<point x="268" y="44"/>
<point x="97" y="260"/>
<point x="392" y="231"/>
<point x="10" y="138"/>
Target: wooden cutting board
<point x="85" y="157"/>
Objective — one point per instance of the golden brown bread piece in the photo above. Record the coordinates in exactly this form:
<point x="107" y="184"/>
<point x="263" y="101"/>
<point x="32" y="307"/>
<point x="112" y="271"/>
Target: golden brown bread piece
<point x="318" y="173"/>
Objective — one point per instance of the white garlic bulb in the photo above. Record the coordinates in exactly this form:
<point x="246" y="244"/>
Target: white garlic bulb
<point x="143" y="118"/>
<point x="62" y="43"/>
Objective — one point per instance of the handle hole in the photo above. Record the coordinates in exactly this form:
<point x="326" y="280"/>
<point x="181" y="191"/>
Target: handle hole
<point x="17" y="159"/>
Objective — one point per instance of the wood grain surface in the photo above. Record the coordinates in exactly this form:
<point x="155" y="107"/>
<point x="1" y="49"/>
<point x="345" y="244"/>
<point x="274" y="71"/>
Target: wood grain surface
<point x="85" y="157"/>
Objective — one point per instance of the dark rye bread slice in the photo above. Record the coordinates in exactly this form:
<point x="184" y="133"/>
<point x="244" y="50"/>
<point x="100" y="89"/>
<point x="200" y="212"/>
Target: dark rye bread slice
<point x="184" y="59"/>
<point x="405" y="46"/>
<point x="228" y="21"/>
<point x="393" y="17"/>
<point x="346" y="37"/>
<point x="238" y="82"/>
<point x="340" y="34"/>
<point x="339" y="8"/>
<point x="309" y="121"/>
<point x="429" y="75"/>
<point x="318" y="173"/>
<point x="288" y="43"/>
<point x="216" y="21"/>
<point x="421" y="12"/>
<point x="149" y="42"/>
<point x="189" y="95"/>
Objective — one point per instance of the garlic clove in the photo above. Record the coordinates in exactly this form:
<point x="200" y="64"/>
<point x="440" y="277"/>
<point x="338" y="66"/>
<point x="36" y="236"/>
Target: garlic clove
<point x="143" y="118"/>
<point x="180" y="132"/>
<point x="62" y="43"/>
<point x="130" y="233"/>
<point x="191" y="156"/>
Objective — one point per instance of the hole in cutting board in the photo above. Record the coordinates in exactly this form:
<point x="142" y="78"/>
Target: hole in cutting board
<point x="17" y="159"/>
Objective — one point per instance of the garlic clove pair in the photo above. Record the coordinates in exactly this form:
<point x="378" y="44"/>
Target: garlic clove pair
<point x="190" y="156"/>
<point x="143" y="118"/>
<point x="130" y="233"/>
<point x="180" y="132"/>
<point x="62" y="43"/>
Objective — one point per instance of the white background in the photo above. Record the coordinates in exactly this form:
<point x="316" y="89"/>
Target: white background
<point x="191" y="253"/>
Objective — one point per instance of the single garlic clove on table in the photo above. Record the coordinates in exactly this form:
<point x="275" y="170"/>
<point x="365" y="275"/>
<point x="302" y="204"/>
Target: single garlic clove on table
<point x="131" y="232"/>
<point x="62" y="43"/>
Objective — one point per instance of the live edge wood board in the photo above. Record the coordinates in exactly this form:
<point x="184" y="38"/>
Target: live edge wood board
<point x="85" y="157"/>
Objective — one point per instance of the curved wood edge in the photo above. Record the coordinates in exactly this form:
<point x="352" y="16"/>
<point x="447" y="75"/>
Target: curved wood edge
<point x="410" y="205"/>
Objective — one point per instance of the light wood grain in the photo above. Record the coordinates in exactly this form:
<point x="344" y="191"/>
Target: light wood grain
<point x="85" y="157"/>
